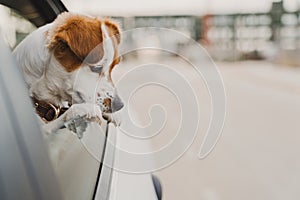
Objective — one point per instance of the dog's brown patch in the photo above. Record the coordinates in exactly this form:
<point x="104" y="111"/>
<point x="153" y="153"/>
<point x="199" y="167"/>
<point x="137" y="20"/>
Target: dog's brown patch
<point x="74" y="38"/>
<point x="66" y="57"/>
<point x="107" y="102"/>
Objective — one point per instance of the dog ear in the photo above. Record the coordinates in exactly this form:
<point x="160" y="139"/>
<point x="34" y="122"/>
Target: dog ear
<point x="114" y="32"/>
<point x="113" y="29"/>
<point x="77" y="36"/>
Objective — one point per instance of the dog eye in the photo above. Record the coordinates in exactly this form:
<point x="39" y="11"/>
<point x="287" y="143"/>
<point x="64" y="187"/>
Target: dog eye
<point x="95" y="69"/>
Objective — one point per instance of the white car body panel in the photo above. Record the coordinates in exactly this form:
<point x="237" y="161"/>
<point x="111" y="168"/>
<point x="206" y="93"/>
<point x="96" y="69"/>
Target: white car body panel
<point x="76" y="166"/>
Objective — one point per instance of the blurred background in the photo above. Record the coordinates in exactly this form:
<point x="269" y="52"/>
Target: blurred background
<point x="230" y="30"/>
<point x="256" y="46"/>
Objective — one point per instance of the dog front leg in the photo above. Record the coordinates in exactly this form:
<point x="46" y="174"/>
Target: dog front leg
<point x="86" y="111"/>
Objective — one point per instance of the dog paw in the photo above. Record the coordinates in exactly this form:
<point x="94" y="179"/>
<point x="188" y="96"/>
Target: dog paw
<point x="86" y="110"/>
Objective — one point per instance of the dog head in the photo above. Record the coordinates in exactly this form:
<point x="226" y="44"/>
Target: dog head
<point x="87" y="50"/>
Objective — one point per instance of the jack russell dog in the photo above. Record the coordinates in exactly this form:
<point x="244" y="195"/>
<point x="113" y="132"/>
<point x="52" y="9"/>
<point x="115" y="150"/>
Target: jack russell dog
<point x="67" y="67"/>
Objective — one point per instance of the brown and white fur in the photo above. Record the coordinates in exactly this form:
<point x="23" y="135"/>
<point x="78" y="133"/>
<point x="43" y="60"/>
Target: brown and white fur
<point x="70" y="61"/>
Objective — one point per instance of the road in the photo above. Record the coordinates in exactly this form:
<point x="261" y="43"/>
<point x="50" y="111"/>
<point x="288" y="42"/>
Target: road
<point x="257" y="156"/>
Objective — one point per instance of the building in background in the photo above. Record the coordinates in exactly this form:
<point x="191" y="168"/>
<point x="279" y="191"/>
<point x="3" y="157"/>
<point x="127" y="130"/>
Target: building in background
<point x="273" y="35"/>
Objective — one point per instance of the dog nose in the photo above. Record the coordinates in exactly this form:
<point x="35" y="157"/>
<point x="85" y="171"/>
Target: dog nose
<point x="116" y="104"/>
